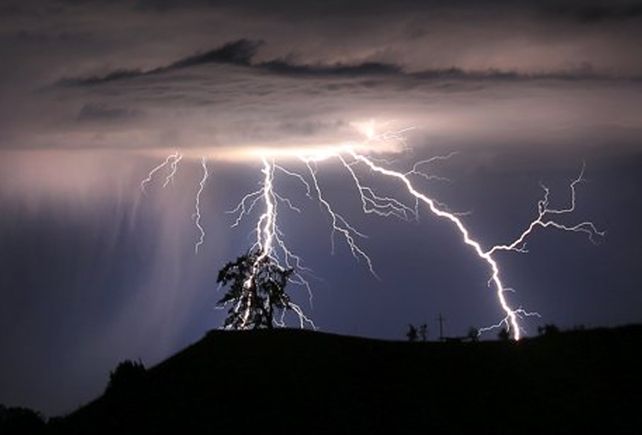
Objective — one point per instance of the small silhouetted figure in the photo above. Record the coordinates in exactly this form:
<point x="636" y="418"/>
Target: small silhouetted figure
<point x="423" y="332"/>
<point x="412" y="332"/>
<point x="503" y="335"/>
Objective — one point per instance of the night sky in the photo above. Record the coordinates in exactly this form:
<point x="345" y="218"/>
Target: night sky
<point x="93" y="94"/>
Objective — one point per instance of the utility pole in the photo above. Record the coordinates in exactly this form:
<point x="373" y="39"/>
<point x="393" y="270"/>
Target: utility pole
<point x="441" y="327"/>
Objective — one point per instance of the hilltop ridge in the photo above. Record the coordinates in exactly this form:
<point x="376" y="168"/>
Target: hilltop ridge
<point x="302" y="382"/>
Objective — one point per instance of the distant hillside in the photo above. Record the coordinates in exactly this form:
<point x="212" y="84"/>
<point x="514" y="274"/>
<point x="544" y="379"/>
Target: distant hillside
<point x="301" y="382"/>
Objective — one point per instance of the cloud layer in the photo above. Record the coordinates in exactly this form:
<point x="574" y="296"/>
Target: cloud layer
<point x="107" y="75"/>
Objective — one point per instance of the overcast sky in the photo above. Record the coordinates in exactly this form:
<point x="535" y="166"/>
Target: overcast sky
<point x="93" y="94"/>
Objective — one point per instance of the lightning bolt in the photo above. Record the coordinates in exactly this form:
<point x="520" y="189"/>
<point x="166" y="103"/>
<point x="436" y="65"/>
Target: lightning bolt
<point x="270" y="244"/>
<point x="172" y="162"/>
<point x="544" y="220"/>
<point x="270" y="241"/>
<point x="197" y="206"/>
<point x="339" y="224"/>
<point x="173" y="167"/>
<point x="430" y="177"/>
<point x="512" y="315"/>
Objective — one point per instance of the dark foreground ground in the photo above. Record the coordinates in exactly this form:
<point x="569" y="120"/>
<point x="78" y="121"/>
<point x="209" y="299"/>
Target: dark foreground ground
<point x="299" y="382"/>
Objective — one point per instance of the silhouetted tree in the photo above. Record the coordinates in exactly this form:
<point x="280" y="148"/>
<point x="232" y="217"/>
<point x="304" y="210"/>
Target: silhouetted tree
<point x="548" y="330"/>
<point x="127" y="375"/>
<point x="503" y="335"/>
<point x="256" y="289"/>
<point x="551" y="329"/>
<point x="473" y="334"/>
<point x="412" y="332"/>
<point x="423" y="332"/>
<point x="17" y="421"/>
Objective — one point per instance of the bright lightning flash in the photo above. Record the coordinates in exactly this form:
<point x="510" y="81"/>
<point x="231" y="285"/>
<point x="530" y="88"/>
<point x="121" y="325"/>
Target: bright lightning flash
<point x="197" y="206"/>
<point x="270" y="241"/>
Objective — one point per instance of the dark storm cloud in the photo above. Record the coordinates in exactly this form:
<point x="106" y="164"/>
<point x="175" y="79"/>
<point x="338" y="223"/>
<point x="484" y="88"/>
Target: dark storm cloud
<point x="235" y="53"/>
<point x="617" y="9"/>
<point x="596" y="12"/>
<point x="243" y="51"/>
<point x="240" y="53"/>
<point x="449" y="32"/>
<point x="365" y="68"/>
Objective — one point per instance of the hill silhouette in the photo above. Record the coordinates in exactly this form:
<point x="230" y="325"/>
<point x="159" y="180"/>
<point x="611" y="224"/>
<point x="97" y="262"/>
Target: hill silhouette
<point x="301" y="382"/>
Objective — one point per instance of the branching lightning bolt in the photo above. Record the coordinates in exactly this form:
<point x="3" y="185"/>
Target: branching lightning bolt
<point x="544" y="220"/>
<point x="172" y="162"/>
<point x="339" y="224"/>
<point x="511" y="320"/>
<point x="270" y="241"/>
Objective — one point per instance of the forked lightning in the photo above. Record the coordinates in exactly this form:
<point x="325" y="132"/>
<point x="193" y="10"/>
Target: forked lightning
<point x="269" y="237"/>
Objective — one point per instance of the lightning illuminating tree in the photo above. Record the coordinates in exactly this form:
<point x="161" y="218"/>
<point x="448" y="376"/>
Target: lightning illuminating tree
<point x="256" y="290"/>
<point x="257" y="280"/>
